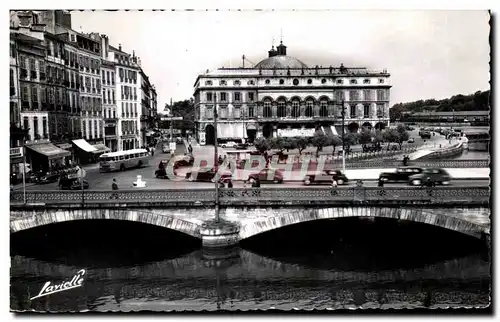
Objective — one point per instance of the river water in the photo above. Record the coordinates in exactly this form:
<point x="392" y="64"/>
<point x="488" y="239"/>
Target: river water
<point x="337" y="264"/>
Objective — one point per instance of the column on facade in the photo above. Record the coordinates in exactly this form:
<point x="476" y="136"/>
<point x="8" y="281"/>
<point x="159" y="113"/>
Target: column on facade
<point x="288" y="109"/>
<point x="316" y="108"/>
<point x="302" y="108"/>
<point x="360" y="110"/>
<point x="259" y="112"/>
<point x="274" y="109"/>
<point x="373" y="110"/>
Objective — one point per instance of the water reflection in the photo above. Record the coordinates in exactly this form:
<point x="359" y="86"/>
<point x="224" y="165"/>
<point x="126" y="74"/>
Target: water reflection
<point x="303" y="277"/>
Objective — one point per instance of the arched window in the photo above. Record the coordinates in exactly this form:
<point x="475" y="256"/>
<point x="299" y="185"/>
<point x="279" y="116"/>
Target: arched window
<point x="267" y="109"/>
<point x="323" y="108"/>
<point x="295" y="109"/>
<point x="281" y="109"/>
<point x="309" y="108"/>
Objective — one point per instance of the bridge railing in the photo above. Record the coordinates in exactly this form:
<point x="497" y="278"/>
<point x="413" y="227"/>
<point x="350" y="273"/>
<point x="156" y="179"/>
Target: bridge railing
<point x="417" y="163"/>
<point x="262" y="196"/>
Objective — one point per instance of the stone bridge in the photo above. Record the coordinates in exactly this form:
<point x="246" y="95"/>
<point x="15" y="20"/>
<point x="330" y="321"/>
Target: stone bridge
<point x="248" y="221"/>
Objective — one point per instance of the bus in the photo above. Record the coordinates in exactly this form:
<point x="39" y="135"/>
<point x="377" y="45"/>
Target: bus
<point x="122" y="160"/>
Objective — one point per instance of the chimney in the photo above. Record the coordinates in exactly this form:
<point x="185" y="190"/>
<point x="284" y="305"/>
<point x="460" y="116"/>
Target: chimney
<point x="120" y="47"/>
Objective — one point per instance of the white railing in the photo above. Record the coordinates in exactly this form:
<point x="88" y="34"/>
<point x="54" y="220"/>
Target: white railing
<point x="16" y="152"/>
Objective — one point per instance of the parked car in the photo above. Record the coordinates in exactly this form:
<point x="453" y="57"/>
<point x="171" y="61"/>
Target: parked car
<point x="435" y="176"/>
<point x="242" y="146"/>
<point x="49" y="177"/>
<point x="165" y="148"/>
<point x="402" y="174"/>
<point x="425" y="135"/>
<point x="268" y="175"/>
<point x="325" y="177"/>
<point x="73" y="184"/>
<point x="206" y="175"/>
<point x="229" y="144"/>
<point x="411" y="140"/>
<point x="179" y="140"/>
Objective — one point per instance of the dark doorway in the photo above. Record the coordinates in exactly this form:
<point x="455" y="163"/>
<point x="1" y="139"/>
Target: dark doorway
<point x="210" y="135"/>
<point x="267" y="131"/>
<point x="379" y="126"/>
<point x="251" y="134"/>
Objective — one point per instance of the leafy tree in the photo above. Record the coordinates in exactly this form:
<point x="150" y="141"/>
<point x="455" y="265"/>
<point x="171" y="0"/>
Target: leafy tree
<point x="334" y="141"/>
<point x="262" y="145"/>
<point x="279" y="143"/>
<point x="301" y="143"/>
<point x="350" y="139"/>
<point x="365" y="137"/>
<point x="391" y="136"/>
<point x="319" y="140"/>
<point x="402" y="135"/>
<point x="378" y="138"/>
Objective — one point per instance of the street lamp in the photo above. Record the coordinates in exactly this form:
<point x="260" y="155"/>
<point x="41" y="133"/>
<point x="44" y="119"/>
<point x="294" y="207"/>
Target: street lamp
<point x="216" y="161"/>
<point x="342" y="112"/>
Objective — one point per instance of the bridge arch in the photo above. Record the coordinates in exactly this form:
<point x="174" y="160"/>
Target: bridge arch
<point x="440" y="217"/>
<point x="31" y="219"/>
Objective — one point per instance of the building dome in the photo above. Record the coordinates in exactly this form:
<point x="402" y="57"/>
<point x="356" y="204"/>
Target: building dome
<point x="280" y="61"/>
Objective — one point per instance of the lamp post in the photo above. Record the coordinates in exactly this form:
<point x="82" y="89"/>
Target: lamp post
<point x="342" y="112"/>
<point x="216" y="161"/>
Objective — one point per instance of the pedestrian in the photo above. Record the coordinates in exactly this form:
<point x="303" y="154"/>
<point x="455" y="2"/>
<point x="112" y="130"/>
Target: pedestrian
<point x="114" y="187"/>
<point x="229" y="183"/>
<point x="152" y="151"/>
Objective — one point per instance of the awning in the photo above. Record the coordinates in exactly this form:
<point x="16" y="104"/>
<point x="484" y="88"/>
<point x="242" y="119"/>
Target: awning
<point x="334" y="130"/>
<point x="238" y="131"/>
<point x="65" y="146"/>
<point x="49" y="150"/>
<point x="100" y="148"/>
<point x="84" y="145"/>
<point x="224" y="131"/>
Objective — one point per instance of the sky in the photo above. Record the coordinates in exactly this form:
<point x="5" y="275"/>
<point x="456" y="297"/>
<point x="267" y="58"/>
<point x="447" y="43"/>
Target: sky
<point x="430" y="54"/>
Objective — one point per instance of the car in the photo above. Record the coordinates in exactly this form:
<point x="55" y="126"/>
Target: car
<point x="73" y="184"/>
<point x="165" y="148"/>
<point x="425" y="135"/>
<point x="179" y="140"/>
<point x="402" y="174"/>
<point x="435" y="176"/>
<point x="268" y="175"/>
<point x="325" y="177"/>
<point x="242" y="146"/>
<point x="206" y="174"/>
<point x="411" y="140"/>
<point x="229" y="144"/>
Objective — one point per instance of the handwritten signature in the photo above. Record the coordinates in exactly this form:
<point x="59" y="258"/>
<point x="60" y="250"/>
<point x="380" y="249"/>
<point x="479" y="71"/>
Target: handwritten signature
<point x="47" y="289"/>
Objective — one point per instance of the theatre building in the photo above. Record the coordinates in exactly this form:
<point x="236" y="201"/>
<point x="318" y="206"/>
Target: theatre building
<point x="282" y="96"/>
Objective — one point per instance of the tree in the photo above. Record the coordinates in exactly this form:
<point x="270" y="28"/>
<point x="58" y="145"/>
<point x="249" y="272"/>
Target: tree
<point x="402" y="135"/>
<point x="391" y="136"/>
<point x="279" y="143"/>
<point x="319" y="140"/>
<point x="301" y="143"/>
<point x="365" y="137"/>
<point x="378" y="138"/>
<point x="262" y="145"/>
<point x="350" y="139"/>
<point x="334" y="141"/>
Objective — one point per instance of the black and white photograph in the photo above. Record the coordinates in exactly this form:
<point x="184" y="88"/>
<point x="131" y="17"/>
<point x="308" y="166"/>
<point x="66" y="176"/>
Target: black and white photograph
<point x="188" y="160"/>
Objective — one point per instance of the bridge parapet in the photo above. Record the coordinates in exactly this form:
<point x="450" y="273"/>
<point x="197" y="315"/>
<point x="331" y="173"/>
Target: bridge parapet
<point x="311" y="196"/>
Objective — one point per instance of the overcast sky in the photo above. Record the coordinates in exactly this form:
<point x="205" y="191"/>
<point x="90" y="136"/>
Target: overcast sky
<point x="430" y="54"/>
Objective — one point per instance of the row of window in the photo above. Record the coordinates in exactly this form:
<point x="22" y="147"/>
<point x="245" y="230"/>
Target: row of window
<point x="224" y="97"/>
<point x="129" y="92"/>
<point x="294" y="111"/>
<point x="108" y="77"/>
<point x="89" y="64"/>
<point x="354" y="95"/>
<point x="93" y="131"/>
<point x="110" y="113"/>
<point x="110" y="97"/>
<point x="35" y="127"/>
<point x="129" y="109"/>
<point x="296" y="82"/>
<point x="129" y="76"/>
<point x="129" y="127"/>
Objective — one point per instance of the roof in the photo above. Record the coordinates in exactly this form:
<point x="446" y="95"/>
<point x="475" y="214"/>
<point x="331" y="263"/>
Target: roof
<point x="280" y="61"/>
